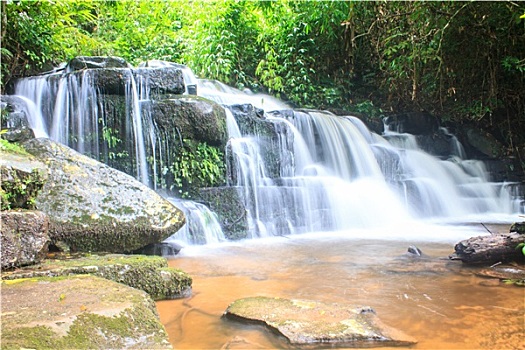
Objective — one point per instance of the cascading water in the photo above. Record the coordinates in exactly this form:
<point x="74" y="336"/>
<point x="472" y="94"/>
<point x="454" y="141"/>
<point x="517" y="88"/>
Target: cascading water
<point x="309" y="171"/>
<point x="201" y="225"/>
<point x="76" y="112"/>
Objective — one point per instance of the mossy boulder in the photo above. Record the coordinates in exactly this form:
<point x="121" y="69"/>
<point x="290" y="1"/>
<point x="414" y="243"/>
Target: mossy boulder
<point x="78" y="312"/>
<point x="24" y="238"/>
<point x="312" y="323"/>
<point x="148" y="273"/>
<point x="93" y="207"/>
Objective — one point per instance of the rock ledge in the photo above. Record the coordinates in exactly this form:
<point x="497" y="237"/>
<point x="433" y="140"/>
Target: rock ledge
<point x="311" y="323"/>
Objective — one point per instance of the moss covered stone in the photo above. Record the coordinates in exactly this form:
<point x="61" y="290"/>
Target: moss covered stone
<point x="305" y="322"/>
<point x="148" y="273"/>
<point x="93" y="207"/>
<point x="79" y="312"/>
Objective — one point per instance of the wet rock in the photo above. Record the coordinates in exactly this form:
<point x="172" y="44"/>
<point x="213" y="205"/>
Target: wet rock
<point x="311" y="323"/>
<point x="271" y="136"/>
<point x="160" y="249"/>
<point x="228" y="204"/>
<point x="93" y="207"/>
<point x="490" y="249"/>
<point x="24" y="238"/>
<point x="95" y="62"/>
<point x="14" y="119"/>
<point x="148" y="273"/>
<point x="190" y="117"/>
<point x="160" y="80"/>
<point x="518" y="227"/>
<point x="415" y="252"/>
<point x="78" y="312"/>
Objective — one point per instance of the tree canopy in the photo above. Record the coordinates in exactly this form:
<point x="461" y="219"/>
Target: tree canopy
<point x="463" y="61"/>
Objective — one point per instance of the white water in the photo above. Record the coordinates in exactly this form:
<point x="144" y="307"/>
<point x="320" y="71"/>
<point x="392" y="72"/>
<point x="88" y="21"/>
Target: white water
<point x="201" y="225"/>
<point x="333" y="173"/>
<point x="69" y="111"/>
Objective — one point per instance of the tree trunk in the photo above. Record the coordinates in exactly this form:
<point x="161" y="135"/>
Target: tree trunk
<point x="490" y="249"/>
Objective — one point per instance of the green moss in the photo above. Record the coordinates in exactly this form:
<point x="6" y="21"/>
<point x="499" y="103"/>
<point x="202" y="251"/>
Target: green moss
<point x="12" y="147"/>
<point x="148" y="273"/>
<point x="90" y="330"/>
<point x="18" y="190"/>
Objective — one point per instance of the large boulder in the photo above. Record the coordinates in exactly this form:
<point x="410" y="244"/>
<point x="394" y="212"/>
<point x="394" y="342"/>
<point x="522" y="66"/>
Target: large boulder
<point x="24" y="238"/>
<point x="312" y="323"/>
<point x="148" y="273"/>
<point x="78" y="312"/>
<point x="93" y="207"/>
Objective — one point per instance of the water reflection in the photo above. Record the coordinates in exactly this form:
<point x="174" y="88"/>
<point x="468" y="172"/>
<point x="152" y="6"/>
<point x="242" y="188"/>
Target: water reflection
<point x="439" y="302"/>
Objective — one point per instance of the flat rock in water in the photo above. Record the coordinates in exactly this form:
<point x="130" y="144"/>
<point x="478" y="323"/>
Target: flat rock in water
<point x="80" y="312"/>
<point x="311" y="323"/>
<point x="503" y="272"/>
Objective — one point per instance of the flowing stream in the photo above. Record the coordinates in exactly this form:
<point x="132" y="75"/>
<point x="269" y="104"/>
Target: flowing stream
<point x="441" y="303"/>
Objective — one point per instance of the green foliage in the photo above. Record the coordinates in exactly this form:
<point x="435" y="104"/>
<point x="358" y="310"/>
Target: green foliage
<point x="463" y="61"/>
<point x="37" y="35"/>
<point x="19" y="190"/>
<point x="11" y="147"/>
<point x="197" y="165"/>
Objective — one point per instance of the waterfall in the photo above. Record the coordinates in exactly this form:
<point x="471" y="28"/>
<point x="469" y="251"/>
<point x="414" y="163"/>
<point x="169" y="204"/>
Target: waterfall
<point x="296" y="171"/>
<point x="71" y="109"/>
<point x="201" y="225"/>
<point x="344" y="176"/>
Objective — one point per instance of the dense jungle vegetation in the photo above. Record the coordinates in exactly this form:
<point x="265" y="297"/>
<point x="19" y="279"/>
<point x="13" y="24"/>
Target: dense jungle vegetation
<point x="462" y="61"/>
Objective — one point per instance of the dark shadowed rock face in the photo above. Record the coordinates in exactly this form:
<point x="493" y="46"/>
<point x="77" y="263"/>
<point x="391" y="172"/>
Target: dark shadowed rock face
<point x="93" y="207"/>
<point x="24" y="237"/>
<point x="417" y="123"/>
<point x="311" y="323"/>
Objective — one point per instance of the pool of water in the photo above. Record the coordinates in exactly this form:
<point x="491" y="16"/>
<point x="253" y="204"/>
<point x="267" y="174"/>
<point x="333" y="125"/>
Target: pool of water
<point x="441" y="303"/>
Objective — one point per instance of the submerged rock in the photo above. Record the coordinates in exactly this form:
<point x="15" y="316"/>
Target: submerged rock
<point x="148" y="273"/>
<point x="93" y="207"/>
<point x="511" y="273"/>
<point x="311" y="323"/>
<point x="78" y="312"/>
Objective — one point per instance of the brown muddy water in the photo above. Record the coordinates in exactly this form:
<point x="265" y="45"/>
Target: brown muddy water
<point x="441" y="303"/>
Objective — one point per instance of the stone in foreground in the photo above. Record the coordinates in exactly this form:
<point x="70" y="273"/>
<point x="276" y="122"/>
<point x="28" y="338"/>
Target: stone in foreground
<point x="81" y="312"/>
<point x="148" y="273"/>
<point x="311" y="323"/>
